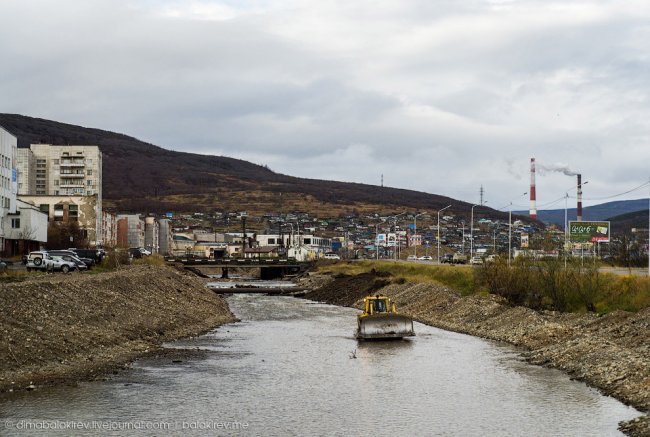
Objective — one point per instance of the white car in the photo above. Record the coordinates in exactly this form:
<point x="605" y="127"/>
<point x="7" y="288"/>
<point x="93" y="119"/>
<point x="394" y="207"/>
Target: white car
<point x="39" y="260"/>
<point x="332" y="256"/>
<point x="476" y="260"/>
<point x="425" y="258"/>
<point x="411" y="258"/>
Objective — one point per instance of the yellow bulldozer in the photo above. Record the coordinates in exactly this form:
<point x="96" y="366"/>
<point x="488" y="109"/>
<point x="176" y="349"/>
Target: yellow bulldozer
<point x="380" y="320"/>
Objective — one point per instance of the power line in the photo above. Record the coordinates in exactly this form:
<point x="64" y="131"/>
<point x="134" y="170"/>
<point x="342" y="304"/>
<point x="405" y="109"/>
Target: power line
<point x="615" y="195"/>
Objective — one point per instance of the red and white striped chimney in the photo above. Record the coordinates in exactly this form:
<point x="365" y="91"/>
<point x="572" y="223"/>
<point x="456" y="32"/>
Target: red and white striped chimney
<point x="533" y="195"/>
<point x="579" y="209"/>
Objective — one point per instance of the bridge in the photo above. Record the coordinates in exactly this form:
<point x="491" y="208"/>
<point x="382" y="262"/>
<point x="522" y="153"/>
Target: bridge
<point x="271" y="268"/>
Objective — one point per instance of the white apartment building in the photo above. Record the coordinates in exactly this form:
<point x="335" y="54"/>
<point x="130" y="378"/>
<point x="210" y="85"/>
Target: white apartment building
<point x="63" y="172"/>
<point x="8" y="147"/>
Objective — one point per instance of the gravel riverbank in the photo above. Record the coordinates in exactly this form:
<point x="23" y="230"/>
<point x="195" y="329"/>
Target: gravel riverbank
<point x="63" y="328"/>
<point x="611" y="352"/>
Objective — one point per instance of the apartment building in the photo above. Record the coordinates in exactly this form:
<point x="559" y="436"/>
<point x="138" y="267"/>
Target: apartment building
<point x="130" y="230"/>
<point x="8" y="147"/>
<point x="82" y="209"/>
<point x="62" y="173"/>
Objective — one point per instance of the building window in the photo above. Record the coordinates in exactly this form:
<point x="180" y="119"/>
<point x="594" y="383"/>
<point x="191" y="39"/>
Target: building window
<point x="89" y="182"/>
<point x="56" y="182"/>
<point x="15" y="223"/>
<point x="90" y="172"/>
<point x="58" y="212"/>
<point x="73" y="212"/>
<point x="44" y="207"/>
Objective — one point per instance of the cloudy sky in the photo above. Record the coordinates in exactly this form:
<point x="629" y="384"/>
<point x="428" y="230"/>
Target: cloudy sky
<point x="438" y="96"/>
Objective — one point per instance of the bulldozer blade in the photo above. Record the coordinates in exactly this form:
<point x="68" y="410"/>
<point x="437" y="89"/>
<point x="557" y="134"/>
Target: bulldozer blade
<point x="385" y="326"/>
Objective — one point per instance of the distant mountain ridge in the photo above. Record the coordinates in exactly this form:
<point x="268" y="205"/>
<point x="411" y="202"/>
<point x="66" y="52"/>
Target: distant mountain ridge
<point x="600" y="212"/>
<point x="142" y="177"/>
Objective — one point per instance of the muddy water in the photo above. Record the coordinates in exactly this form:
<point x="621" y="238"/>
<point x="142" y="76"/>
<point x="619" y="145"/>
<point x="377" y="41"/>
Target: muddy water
<point x="292" y="367"/>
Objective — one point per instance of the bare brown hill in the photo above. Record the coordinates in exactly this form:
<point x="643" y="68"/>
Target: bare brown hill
<point x="139" y="176"/>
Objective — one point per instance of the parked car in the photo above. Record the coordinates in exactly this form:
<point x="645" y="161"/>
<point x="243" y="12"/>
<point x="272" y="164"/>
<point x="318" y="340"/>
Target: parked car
<point x="459" y="258"/>
<point x="476" y="260"/>
<point x="88" y="262"/>
<point x="38" y="260"/>
<point x="135" y="252"/>
<point x="95" y="254"/>
<point x="425" y="258"/>
<point x="447" y="258"/>
<point x="73" y="260"/>
<point x="411" y="258"/>
<point x="60" y="264"/>
<point x="331" y="255"/>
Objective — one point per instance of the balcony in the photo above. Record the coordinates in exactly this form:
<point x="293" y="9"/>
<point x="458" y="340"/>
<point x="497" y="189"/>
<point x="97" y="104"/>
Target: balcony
<point x="72" y="185"/>
<point x="72" y="163"/>
<point x="72" y="175"/>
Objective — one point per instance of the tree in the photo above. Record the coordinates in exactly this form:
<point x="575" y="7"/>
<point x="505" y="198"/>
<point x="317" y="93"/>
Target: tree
<point x="61" y="235"/>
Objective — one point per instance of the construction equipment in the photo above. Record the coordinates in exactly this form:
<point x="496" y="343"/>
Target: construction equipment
<point x="380" y="320"/>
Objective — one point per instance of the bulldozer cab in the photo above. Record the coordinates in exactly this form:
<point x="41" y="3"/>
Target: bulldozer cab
<point x="378" y="305"/>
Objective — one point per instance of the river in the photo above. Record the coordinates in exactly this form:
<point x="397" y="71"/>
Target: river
<point x="292" y="367"/>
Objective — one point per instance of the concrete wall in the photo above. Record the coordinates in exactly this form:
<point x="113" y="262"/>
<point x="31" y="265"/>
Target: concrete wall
<point x="86" y="210"/>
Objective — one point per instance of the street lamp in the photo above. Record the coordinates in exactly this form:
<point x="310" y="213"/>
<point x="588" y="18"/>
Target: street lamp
<point x="471" y="234"/>
<point x="509" y="205"/>
<point x="438" y="236"/>
<point x="377" y="241"/>
<point x="415" y="236"/>
<point x="397" y="239"/>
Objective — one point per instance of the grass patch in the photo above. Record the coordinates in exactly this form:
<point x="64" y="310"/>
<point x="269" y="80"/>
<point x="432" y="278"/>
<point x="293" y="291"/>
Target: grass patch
<point x="537" y="284"/>
<point x="459" y="278"/>
<point x="150" y="260"/>
<point x="7" y="276"/>
<point x="576" y="287"/>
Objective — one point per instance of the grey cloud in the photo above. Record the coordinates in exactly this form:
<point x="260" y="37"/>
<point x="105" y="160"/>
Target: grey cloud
<point x="439" y="96"/>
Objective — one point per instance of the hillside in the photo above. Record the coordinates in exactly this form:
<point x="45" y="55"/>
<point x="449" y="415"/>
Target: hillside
<point x="625" y="222"/>
<point x="139" y="176"/>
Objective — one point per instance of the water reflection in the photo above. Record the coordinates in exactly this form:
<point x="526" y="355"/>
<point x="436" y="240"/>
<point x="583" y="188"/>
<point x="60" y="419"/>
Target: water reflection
<point x="289" y="369"/>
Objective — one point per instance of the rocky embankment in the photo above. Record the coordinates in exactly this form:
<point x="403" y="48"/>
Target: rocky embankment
<point x="62" y="328"/>
<point x="610" y="352"/>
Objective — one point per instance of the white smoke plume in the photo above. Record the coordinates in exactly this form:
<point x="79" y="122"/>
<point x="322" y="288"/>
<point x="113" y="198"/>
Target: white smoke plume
<point x="560" y="168"/>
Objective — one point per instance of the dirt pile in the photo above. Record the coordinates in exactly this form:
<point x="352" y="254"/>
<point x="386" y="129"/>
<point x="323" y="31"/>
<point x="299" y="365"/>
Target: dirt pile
<point x="58" y="328"/>
<point x="611" y="353"/>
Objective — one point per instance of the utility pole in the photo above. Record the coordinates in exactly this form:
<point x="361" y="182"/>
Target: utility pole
<point x="243" y="240"/>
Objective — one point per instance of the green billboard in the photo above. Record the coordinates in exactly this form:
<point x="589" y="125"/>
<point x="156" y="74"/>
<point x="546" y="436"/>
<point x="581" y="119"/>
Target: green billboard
<point x="589" y="232"/>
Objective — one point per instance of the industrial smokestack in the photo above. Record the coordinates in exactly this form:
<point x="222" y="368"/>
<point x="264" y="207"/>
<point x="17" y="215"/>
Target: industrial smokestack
<point x="579" y="209"/>
<point x="533" y="195"/>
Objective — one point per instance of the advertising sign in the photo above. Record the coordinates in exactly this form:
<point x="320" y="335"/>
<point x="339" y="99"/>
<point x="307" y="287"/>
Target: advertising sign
<point x="381" y="240"/>
<point x="589" y="232"/>
<point x="524" y="240"/>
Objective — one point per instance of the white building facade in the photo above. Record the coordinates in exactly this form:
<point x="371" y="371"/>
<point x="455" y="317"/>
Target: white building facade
<point x="8" y="180"/>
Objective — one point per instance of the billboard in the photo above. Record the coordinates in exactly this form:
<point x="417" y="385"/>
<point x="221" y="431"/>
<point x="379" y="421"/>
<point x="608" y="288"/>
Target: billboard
<point x="380" y="240"/>
<point x="524" y="240"/>
<point x="589" y="232"/>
